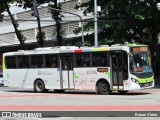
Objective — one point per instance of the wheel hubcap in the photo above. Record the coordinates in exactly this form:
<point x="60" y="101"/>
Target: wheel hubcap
<point x="104" y="87"/>
<point x="39" y="86"/>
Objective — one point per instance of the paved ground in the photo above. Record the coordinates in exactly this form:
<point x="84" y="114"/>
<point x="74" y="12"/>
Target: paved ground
<point x="15" y="99"/>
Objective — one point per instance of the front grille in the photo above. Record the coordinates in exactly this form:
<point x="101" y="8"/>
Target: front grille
<point x="146" y="84"/>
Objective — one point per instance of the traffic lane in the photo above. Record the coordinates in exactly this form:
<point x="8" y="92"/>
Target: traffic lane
<point x="16" y="99"/>
<point x="25" y="90"/>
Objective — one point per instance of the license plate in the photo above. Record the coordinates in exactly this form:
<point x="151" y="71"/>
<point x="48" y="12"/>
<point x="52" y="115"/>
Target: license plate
<point x="146" y="85"/>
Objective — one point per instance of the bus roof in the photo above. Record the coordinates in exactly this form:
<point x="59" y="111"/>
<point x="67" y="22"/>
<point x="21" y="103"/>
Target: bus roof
<point x="72" y="49"/>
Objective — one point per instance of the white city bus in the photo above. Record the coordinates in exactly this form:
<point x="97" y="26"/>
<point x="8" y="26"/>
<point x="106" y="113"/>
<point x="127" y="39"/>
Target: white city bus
<point x="102" y="69"/>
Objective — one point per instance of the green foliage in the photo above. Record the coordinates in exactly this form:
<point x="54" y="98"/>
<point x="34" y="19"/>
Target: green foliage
<point x="5" y="4"/>
<point x="28" y="4"/>
<point x="87" y="27"/>
<point x="2" y="7"/>
<point x="41" y="38"/>
<point x="56" y="16"/>
<point x="125" y="20"/>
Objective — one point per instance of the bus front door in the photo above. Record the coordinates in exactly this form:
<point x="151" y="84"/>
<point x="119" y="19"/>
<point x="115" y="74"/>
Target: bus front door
<point x="117" y="69"/>
<point x="67" y="72"/>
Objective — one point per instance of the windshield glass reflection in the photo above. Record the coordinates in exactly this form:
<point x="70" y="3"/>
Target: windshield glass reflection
<point x="140" y="62"/>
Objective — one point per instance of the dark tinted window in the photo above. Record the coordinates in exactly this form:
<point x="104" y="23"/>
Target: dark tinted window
<point x="83" y="60"/>
<point x="51" y="61"/>
<point x="10" y="62"/>
<point x="37" y="61"/>
<point x="40" y="62"/>
<point x="99" y="59"/>
<point x="23" y="61"/>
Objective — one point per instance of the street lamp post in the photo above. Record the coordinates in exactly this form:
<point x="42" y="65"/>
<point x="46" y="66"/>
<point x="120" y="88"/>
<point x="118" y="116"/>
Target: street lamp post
<point x="95" y="24"/>
<point x="76" y="15"/>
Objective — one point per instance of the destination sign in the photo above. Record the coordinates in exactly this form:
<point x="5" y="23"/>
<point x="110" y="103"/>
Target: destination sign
<point x="139" y="49"/>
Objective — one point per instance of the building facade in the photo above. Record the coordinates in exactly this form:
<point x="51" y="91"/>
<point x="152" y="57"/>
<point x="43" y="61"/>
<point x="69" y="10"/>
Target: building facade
<point x="29" y="27"/>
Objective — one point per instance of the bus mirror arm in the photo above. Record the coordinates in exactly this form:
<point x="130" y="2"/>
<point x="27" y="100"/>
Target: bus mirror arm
<point x="130" y="55"/>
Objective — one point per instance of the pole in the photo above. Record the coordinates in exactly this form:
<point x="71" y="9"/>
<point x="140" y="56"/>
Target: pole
<point x="95" y="24"/>
<point x="76" y="15"/>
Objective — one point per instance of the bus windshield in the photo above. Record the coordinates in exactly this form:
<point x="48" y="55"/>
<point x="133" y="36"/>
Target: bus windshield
<point x="140" y="62"/>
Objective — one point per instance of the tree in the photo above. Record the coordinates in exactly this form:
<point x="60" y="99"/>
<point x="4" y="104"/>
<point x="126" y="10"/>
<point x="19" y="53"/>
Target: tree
<point x="55" y="16"/>
<point x="127" y="19"/>
<point x="2" y="9"/>
<point x="33" y="4"/>
<point x="5" y="6"/>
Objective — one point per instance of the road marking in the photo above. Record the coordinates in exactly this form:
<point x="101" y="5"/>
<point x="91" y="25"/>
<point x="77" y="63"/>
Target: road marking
<point x="38" y="95"/>
<point x="16" y="95"/>
<point x="83" y="107"/>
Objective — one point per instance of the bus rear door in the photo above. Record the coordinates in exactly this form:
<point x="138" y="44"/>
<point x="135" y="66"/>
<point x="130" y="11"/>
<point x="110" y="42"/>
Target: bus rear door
<point x="67" y="71"/>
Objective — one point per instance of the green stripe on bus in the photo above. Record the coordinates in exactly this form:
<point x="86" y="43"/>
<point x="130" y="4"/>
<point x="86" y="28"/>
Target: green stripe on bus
<point x="4" y="64"/>
<point x="75" y="75"/>
<point x="132" y="45"/>
<point x="99" y="49"/>
<point x="107" y="73"/>
<point x="144" y="80"/>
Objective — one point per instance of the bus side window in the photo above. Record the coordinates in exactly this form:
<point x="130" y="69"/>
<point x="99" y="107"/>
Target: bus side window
<point x="83" y="60"/>
<point x="79" y="60"/>
<point x="51" y="61"/>
<point x="54" y="61"/>
<point x="53" y="64"/>
<point x="26" y="61"/>
<point x="23" y="61"/>
<point x="20" y="61"/>
<point x="86" y="60"/>
<point x="99" y="59"/>
<point x="40" y="63"/>
<point x="33" y="61"/>
<point x="11" y="62"/>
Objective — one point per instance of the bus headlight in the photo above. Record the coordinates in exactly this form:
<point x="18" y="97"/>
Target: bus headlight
<point x="135" y="81"/>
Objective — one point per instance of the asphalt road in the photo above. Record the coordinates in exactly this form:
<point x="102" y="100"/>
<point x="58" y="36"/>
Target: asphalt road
<point x="138" y="104"/>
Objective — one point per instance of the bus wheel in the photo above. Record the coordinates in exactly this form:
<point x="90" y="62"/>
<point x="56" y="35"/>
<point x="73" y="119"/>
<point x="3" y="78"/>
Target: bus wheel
<point x="103" y="88"/>
<point x="123" y="92"/>
<point x="39" y="86"/>
<point x="59" y="91"/>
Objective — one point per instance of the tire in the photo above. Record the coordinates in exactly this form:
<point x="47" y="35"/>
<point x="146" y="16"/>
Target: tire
<point x="59" y="91"/>
<point x="103" y="88"/>
<point x="123" y="92"/>
<point x="39" y="87"/>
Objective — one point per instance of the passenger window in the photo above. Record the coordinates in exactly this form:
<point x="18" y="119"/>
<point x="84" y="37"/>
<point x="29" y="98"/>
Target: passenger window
<point x="40" y="63"/>
<point x="11" y="62"/>
<point x="23" y="61"/>
<point x="51" y="61"/>
<point x="33" y="61"/>
<point x="99" y="59"/>
<point x="83" y="60"/>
